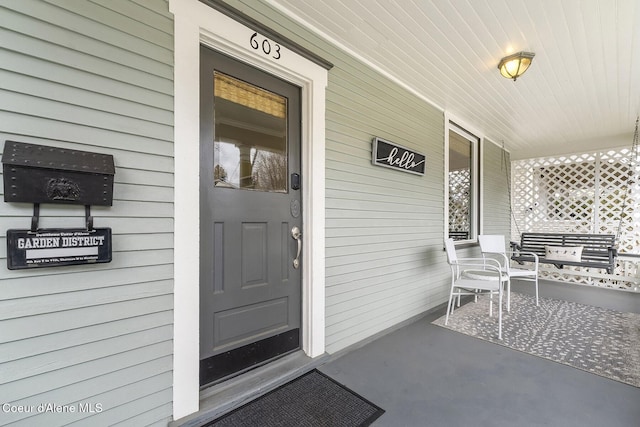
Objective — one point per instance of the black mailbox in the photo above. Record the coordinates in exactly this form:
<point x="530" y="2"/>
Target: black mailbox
<point x="41" y="174"/>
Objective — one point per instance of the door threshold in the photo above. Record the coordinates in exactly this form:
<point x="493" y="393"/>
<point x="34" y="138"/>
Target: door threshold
<point x="226" y="396"/>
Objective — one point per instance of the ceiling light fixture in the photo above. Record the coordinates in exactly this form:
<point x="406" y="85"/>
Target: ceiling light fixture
<point x="513" y="66"/>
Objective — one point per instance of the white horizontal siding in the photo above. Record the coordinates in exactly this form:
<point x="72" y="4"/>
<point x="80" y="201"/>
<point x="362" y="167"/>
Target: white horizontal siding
<point x="91" y="80"/>
<point x="96" y="390"/>
<point x="56" y="322"/>
<point x="80" y="336"/>
<point x="496" y="205"/>
<point x="384" y="227"/>
<point x="137" y="53"/>
<point x="38" y="87"/>
<point x="54" y="110"/>
<point x="64" y="358"/>
<point x="92" y="76"/>
<point x="44" y="127"/>
<point x="91" y="372"/>
<point x="32" y="306"/>
<point x="148" y="23"/>
<point x="86" y="62"/>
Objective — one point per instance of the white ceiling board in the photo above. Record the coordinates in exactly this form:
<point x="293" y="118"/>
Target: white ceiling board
<point x="582" y="89"/>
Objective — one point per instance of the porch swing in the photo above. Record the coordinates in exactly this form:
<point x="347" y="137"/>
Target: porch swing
<point x="580" y="250"/>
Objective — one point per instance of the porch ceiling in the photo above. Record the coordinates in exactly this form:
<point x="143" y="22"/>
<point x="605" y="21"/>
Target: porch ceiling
<point x="581" y="93"/>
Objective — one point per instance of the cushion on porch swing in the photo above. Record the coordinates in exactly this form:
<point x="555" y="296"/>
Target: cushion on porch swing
<point x="563" y="253"/>
<point x="598" y="250"/>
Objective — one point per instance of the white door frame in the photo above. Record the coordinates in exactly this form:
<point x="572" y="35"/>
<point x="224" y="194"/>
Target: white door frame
<point x="196" y="23"/>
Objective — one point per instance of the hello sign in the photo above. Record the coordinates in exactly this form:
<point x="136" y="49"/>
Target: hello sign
<point x="390" y="155"/>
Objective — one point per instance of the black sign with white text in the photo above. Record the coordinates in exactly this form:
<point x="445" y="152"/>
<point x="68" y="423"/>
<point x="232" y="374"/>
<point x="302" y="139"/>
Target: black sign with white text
<point x="394" y="156"/>
<point x="57" y="247"/>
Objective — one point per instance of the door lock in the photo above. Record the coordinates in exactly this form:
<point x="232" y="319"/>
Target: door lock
<point x="295" y="181"/>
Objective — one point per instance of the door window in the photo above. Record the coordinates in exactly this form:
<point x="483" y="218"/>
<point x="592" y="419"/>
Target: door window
<point x="250" y="143"/>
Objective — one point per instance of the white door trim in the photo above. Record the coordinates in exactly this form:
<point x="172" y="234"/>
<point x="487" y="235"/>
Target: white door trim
<point x="196" y="23"/>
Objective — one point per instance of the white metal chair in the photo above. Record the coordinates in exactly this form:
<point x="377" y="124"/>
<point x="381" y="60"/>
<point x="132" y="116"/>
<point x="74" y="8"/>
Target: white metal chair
<point x="495" y="244"/>
<point x="472" y="276"/>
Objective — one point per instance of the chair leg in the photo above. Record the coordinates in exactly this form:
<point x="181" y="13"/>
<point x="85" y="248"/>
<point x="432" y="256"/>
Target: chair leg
<point x="509" y="294"/>
<point x="536" y="282"/>
<point x="450" y="305"/>
<point x="500" y="316"/>
<point x="491" y="305"/>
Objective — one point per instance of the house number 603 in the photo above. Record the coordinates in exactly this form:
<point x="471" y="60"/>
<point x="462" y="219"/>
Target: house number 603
<point x="268" y="47"/>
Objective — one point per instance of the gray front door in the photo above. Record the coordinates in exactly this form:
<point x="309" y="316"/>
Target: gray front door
<point x="250" y="201"/>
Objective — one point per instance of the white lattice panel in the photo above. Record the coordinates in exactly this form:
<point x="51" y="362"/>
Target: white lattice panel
<point x="582" y="193"/>
<point x="459" y="199"/>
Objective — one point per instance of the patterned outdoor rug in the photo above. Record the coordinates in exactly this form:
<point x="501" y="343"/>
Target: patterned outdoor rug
<point x="594" y="339"/>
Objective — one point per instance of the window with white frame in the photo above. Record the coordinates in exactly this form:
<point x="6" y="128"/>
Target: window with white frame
<point x="463" y="184"/>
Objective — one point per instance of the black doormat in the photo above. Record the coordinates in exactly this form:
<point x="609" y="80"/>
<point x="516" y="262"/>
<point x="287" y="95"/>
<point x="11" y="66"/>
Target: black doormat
<point x="312" y="400"/>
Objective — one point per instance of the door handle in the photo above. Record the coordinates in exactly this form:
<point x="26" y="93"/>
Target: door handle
<point x="297" y="236"/>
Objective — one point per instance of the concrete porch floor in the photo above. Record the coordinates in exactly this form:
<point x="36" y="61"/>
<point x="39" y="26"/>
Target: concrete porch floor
<point x="425" y="375"/>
